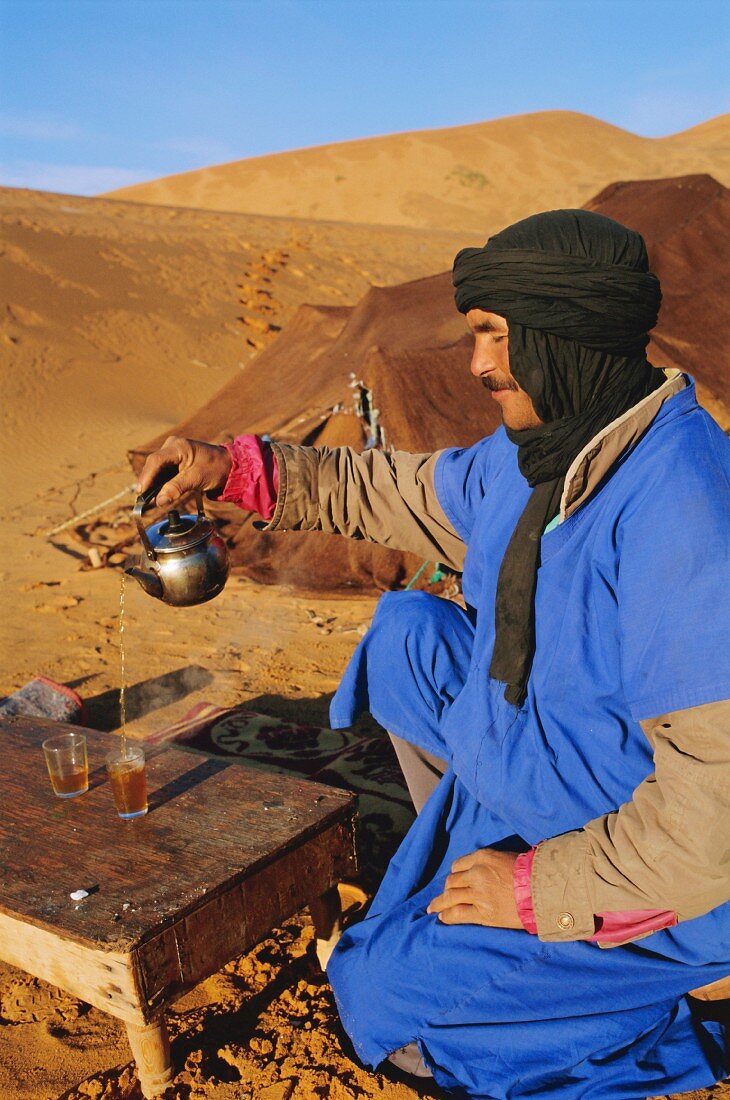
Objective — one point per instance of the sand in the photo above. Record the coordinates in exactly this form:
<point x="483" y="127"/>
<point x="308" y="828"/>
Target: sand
<point x="119" y="319"/>
<point x="476" y="178"/>
<point x="265" y="1026"/>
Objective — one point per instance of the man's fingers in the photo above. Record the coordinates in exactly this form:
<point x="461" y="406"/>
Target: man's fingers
<point x="166" y="458"/>
<point x="174" y="454"/>
<point x="460" y="914"/>
<point x="459" y="879"/>
<point x="152" y="470"/>
<point x="436" y="904"/>
<point x="449" y="898"/>
<point x="482" y="857"/>
<point x="176" y="488"/>
<point x="465" y="863"/>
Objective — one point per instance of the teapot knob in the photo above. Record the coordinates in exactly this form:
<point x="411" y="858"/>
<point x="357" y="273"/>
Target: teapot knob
<point x="174" y="525"/>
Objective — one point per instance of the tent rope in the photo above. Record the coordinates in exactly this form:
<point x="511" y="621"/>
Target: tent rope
<point x="437" y="575"/>
<point x="415" y="577"/>
<point x="90" y="511"/>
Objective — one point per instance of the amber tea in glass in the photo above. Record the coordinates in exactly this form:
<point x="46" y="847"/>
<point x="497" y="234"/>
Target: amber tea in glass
<point x="128" y="777"/>
<point x="67" y="764"/>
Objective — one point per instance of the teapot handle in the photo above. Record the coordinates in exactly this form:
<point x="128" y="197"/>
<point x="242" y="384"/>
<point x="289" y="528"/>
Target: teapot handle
<point x="142" y="502"/>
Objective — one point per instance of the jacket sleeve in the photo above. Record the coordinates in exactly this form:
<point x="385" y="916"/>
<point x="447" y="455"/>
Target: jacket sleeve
<point x="665" y="851"/>
<point x="385" y="498"/>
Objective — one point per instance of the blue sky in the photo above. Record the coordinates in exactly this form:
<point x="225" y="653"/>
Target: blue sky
<point x="96" y="94"/>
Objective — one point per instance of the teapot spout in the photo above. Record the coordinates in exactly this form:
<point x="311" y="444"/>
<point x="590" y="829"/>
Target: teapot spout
<point x="149" y="581"/>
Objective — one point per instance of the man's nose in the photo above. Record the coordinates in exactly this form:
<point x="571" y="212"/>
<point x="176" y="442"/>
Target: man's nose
<point x="481" y="361"/>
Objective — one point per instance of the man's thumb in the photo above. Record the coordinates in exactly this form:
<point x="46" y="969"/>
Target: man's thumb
<point x="173" y="490"/>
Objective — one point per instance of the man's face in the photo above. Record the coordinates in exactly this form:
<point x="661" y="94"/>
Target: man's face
<point x="490" y="363"/>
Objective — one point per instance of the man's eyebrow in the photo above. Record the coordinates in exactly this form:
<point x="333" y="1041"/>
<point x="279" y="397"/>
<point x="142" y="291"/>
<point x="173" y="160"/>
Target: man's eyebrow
<point x="485" y="326"/>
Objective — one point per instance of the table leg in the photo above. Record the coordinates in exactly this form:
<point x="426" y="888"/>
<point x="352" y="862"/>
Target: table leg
<point x="326" y="914"/>
<point x="151" y="1049"/>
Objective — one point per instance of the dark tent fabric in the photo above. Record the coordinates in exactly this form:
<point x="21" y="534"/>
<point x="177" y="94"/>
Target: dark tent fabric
<point x="395" y="369"/>
<point x="686" y="225"/>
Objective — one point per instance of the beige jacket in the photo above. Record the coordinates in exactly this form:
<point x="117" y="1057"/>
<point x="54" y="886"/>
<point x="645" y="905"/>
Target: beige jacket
<point x="667" y="848"/>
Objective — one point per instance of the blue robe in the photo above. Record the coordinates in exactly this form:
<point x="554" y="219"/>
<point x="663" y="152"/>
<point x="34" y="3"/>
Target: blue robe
<point x="632" y="622"/>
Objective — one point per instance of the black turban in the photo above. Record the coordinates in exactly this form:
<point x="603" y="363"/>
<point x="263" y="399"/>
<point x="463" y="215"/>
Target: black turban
<point x="579" y="300"/>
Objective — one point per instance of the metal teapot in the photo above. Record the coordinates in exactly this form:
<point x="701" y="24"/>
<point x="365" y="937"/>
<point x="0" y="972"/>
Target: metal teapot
<point x="184" y="559"/>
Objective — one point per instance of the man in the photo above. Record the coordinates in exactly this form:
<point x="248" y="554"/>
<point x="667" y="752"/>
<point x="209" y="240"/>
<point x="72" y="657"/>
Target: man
<point x="566" y="738"/>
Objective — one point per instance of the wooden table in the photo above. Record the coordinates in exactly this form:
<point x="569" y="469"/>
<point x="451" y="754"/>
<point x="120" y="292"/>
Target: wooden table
<point x="223" y="855"/>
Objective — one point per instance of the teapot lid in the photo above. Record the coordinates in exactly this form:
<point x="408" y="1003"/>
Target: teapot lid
<point x="176" y="532"/>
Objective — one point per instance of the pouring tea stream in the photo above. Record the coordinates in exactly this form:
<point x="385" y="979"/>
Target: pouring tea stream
<point x="184" y="562"/>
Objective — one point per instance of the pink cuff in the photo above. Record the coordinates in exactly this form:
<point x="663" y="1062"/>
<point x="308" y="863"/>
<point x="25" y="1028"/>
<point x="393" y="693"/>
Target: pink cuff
<point x="615" y="927"/>
<point x="630" y="924"/>
<point x="253" y="483"/>
<point x="521" y="875"/>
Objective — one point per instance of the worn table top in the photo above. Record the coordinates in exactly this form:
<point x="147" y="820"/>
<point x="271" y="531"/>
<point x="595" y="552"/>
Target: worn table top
<point x="210" y="824"/>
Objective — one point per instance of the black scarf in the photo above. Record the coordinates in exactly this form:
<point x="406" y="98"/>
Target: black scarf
<point x="579" y="299"/>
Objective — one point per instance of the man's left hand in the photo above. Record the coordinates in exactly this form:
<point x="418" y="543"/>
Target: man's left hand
<point x="479" y="891"/>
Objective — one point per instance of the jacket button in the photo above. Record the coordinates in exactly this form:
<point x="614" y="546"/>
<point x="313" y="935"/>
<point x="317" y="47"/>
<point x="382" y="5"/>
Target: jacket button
<point x="566" y="921"/>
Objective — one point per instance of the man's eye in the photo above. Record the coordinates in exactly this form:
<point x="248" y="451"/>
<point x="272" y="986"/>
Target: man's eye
<point x="498" y="339"/>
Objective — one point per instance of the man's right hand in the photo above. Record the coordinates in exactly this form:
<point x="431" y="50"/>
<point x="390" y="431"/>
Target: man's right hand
<point x="191" y="465"/>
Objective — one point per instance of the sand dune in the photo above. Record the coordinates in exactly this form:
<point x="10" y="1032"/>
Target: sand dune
<point x="476" y="178"/>
<point x="119" y="318"/>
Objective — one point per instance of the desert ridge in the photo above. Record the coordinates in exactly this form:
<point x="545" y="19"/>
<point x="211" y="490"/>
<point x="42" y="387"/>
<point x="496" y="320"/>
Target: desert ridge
<point x="121" y="318"/>
<point x="475" y="178"/>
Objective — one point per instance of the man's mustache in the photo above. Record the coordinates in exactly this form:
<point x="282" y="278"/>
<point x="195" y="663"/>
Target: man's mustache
<point x="497" y="382"/>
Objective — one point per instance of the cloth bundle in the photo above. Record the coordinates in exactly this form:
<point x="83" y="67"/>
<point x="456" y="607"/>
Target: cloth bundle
<point x="44" y="698"/>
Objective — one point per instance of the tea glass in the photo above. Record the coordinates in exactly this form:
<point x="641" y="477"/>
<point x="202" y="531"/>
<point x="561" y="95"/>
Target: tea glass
<point x="67" y="764"/>
<point x="128" y="777"/>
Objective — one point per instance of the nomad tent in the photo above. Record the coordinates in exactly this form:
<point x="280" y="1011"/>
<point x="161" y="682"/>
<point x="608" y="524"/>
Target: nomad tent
<point x="393" y="372"/>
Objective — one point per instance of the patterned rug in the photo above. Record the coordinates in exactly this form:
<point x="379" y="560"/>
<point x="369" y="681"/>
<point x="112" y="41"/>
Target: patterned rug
<point x="365" y="765"/>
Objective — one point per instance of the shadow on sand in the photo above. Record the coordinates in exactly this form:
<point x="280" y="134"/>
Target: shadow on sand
<point x="102" y="711"/>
